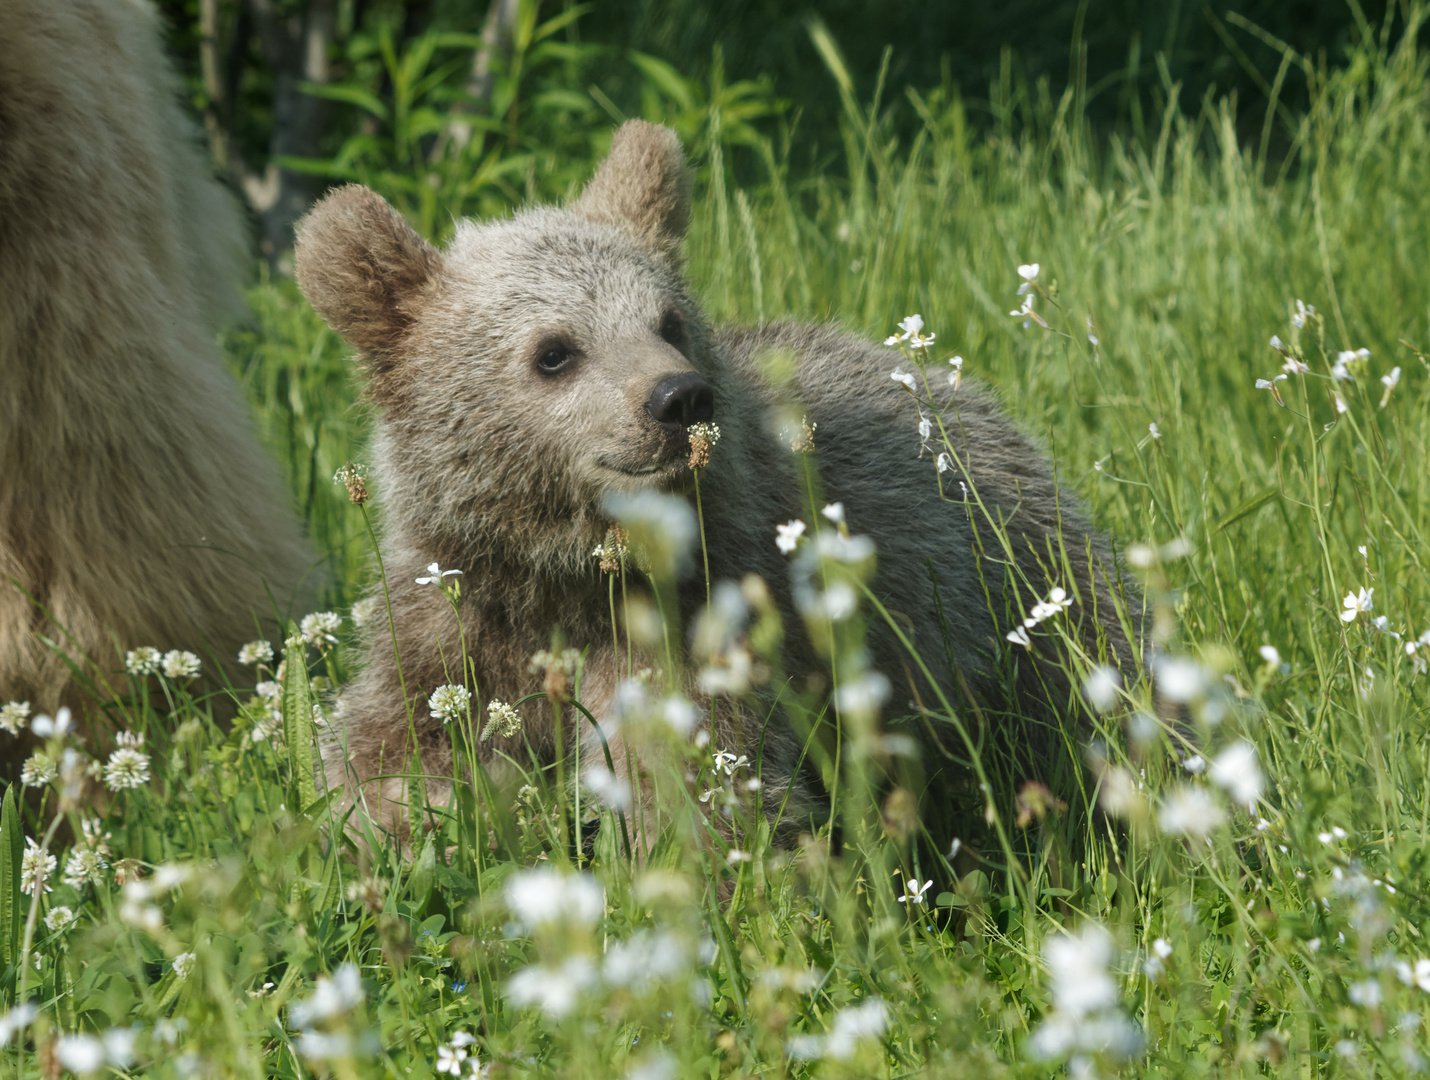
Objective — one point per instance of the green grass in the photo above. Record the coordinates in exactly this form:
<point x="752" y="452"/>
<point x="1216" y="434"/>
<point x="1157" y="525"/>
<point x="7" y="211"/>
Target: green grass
<point x="1188" y="251"/>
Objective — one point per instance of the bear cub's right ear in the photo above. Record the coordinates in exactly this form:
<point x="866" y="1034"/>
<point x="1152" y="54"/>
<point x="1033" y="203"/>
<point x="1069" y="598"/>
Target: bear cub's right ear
<point x="365" y="270"/>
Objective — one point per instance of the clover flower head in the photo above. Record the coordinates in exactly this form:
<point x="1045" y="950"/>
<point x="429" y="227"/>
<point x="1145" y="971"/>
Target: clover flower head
<point x="142" y="661"/>
<point x="38" y="770"/>
<point x="84" y="866"/>
<point x="449" y="702"/>
<point x="181" y="664"/>
<point x="59" y="919"/>
<point x="255" y="652"/>
<point x="364" y="610"/>
<point x="127" y="767"/>
<point x="184" y="965"/>
<point x="36" y="866"/>
<point x="14" y="715"/>
<point x="320" y="628"/>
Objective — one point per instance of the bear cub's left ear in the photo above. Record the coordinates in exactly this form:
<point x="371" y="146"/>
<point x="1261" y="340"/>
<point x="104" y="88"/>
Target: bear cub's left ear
<point x="643" y="187"/>
<point x="365" y="271"/>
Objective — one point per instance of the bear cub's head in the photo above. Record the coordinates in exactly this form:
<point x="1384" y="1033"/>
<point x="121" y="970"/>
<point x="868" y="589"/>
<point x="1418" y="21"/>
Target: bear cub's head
<point x="553" y="357"/>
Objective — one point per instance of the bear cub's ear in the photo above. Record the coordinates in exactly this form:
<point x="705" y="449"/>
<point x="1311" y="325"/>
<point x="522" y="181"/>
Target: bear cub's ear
<point x="643" y="186"/>
<point x="364" y="270"/>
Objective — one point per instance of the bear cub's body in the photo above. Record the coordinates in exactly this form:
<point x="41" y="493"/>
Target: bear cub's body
<point x="541" y="364"/>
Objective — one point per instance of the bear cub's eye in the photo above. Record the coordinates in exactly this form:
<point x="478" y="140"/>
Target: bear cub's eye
<point x="554" y="356"/>
<point x="672" y="329"/>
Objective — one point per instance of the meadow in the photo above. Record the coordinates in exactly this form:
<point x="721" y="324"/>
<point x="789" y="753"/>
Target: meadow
<point x="1220" y="329"/>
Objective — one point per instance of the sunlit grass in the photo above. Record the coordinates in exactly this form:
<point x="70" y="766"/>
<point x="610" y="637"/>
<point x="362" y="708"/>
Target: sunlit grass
<point x="1286" y="940"/>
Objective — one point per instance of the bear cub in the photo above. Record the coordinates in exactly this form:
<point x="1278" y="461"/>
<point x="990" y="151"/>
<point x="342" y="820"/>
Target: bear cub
<point x="543" y="364"/>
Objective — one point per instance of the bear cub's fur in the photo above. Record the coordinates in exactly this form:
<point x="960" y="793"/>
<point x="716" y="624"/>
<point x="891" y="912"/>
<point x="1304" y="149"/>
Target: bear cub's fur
<point x="542" y="363"/>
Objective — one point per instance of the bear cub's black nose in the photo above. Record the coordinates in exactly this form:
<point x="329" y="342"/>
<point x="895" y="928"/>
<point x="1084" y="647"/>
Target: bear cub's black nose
<point x="681" y="400"/>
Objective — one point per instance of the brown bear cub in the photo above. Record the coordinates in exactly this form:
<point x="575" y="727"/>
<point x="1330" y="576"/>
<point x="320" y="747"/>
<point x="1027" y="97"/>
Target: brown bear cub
<point x="540" y="365"/>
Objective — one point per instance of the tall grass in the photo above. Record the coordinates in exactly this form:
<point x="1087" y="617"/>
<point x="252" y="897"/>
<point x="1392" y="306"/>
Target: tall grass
<point x="1281" y="940"/>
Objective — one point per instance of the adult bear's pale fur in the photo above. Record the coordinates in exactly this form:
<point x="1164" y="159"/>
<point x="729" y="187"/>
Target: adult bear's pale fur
<point x="136" y="507"/>
<point x="515" y="372"/>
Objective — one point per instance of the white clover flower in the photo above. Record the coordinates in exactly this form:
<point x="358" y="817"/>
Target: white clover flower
<point x="787" y="535"/>
<point x="184" y="966"/>
<point x="834" y="512"/>
<point x="449" y="702"/>
<point x="435" y="574"/>
<point x="181" y="664"/>
<point x="126" y="768"/>
<point x="1355" y="603"/>
<point x="269" y="690"/>
<point x="320" y="628"/>
<point x="38" y="770"/>
<point x="914" y="892"/>
<point x="554" y="990"/>
<point x="36" y="866"/>
<point x="899" y="375"/>
<point x="84" y="866"/>
<point x="546" y="897"/>
<point x="59" y="919"/>
<point x="332" y="996"/>
<point x="143" y="661"/>
<point x="503" y="721"/>
<point x="1390" y="380"/>
<point x="255" y="652"/>
<point x="1190" y="811"/>
<point x="14" y="715"/>
<point x="1237" y="771"/>
<point x="364" y="610"/>
<point x="1100" y="687"/>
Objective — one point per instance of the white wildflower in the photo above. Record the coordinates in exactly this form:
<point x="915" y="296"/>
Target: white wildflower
<point x="126" y="768"/>
<point x="1153" y="430"/>
<point x="181" y="664"/>
<point x="255" y="652"/>
<point x="184" y="965"/>
<point x="1078" y="964"/>
<point x="899" y="375"/>
<point x="609" y="788"/>
<point x="14" y="715"/>
<point x="955" y="377"/>
<point x="80" y="1054"/>
<point x="849" y="1027"/>
<point x="364" y="610"/>
<point x="38" y="770"/>
<point x="332" y="996"/>
<point x="56" y="727"/>
<point x="143" y="661"/>
<point x="1390" y="380"/>
<point x="545" y="897"/>
<point x="1270" y="654"/>
<point x="553" y="990"/>
<point x="1180" y="678"/>
<point x="914" y="892"/>
<point x="1196" y="764"/>
<point x="435" y="574"/>
<point x="787" y="535"/>
<point x="320" y="628"/>
<point x="59" y="919"/>
<point x="449" y="702"/>
<point x="1100" y="687"/>
<point x="1190" y="811"/>
<point x="862" y="694"/>
<point x="84" y="866"/>
<point x="36" y="866"/>
<point x="834" y="512"/>
<point x="1237" y="771"/>
<point x="1357" y="602"/>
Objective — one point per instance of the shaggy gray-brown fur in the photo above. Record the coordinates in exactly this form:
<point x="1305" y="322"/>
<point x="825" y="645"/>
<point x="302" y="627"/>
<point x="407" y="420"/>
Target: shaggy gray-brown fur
<point x="136" y="507"/>
<point x="492" y="466"/>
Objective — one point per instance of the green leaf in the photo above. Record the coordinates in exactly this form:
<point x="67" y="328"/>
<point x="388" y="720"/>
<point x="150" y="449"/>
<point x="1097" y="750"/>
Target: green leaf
<point x="11" y="850"/>
<point x="424" y="872"/>
<point x="298" y="721"/>
<point x="348" y="95"/>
